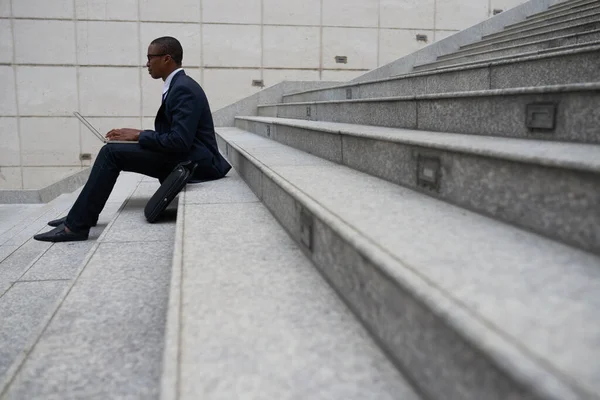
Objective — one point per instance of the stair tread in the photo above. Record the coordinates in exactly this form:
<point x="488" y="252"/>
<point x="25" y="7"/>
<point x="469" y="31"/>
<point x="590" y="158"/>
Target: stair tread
<point x="541" y="54"/>
<point x="579" y="87"/>
<point x="111" y="311"/>
<point x="461" y="53"/>
<point x="554" y="154"/>
<point x="505" y="288"/>
<point x="514" y="58"/>
<point x="250" y="297"/>
<point x="34" y="275"/>
<point x="576" y="17"/>
<point x="13" y="214"/>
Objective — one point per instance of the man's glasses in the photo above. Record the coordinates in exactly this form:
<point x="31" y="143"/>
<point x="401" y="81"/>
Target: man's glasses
<point x="155" y="55"/>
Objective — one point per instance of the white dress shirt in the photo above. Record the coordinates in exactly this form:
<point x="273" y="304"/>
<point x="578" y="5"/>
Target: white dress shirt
<point x="167" y="83"/>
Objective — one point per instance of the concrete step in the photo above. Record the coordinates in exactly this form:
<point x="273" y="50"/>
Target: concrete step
<point x="12" y="215"/>
<point x="29" y="225"/>
<point x="552" y="10"/>
<point x="527" y="183"/>
<point x="566" y="5"/>
<point x="550" y="19"/>
<point x="468" y="307"/>
<point x="250" y="317"/>
<point x="585" y="14"/>
<point x="105" y="335"/>
<point x="571" y="111"/>
<point x="35" y="276"/>
<point x="556" y="49"/>
<point x="570" y="64"/>
<point x="592" y="23"/>
<point x="504" y="52"/>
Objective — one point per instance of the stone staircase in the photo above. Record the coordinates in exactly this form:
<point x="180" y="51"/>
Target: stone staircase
<point x="455" y="210"/>
<point x="430" y="235"/>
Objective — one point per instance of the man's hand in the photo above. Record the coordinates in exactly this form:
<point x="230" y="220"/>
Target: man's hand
<point x="127" y="134"/>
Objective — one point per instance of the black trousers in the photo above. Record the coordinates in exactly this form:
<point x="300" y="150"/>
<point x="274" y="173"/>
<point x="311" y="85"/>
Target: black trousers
<point x="112" y="159"/>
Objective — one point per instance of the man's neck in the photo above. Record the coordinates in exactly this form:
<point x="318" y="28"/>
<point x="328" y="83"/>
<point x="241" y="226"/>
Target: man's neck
<point x="164" y="78"/>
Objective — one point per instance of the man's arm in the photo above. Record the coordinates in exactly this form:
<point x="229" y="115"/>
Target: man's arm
<point x="185" y="116"/>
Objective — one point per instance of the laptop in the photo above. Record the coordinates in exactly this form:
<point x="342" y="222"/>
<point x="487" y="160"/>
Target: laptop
<point x="95" y="131"/>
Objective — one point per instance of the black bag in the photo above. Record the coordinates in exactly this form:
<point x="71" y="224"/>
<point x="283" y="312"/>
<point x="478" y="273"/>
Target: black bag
<point x="167" y="191"/>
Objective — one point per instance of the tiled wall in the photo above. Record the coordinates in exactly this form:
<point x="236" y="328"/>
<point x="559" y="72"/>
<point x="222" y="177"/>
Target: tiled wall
<point x="57" y="56"/>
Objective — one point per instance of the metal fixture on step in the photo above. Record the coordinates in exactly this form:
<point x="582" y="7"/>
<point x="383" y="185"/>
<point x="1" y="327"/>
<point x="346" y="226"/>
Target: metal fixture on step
<point x="85" y="156"/>
<point x="268" y="130"/>
<point x="349" y="93"/>
<point x="258" y="83"/>
<point x="541" y="116"/>
<point x="497" y="11"/>
<point x="341" y="59"/>
<point x="428" y="172"/>
<point x="308" y="111"/>
<point x="421" y="38"/>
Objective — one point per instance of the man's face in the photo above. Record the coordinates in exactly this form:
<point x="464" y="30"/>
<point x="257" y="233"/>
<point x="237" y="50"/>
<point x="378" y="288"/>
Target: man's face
<point x="157" y="62"/>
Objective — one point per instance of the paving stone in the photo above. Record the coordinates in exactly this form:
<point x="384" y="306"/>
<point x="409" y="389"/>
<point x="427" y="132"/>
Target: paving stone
<point x="23" y="232"/>
<point x="106" y="339"/>
<point x="15" y="265"/>
<point x="259" y="321"/>
<point x="23" y="311"/>
<point x="13" y="214"/>
<point x="230" y="189"/>
<point x="61" y="261"/>
<point x="131" y="225"/>
<point x="5" y="251"/>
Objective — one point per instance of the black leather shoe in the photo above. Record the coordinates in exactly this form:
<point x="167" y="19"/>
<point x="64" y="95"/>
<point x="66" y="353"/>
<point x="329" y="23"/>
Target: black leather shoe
<point x="60" y="221"/>
<point x="59" y="234"/>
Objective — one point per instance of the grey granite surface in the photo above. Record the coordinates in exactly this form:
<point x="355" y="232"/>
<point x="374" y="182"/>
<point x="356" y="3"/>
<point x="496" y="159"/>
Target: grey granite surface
<point x="59" y="262"/>
<point x="501" y="112"/>
<point x="22" y="310"/>
<point x="259" y="322"/>
<point x="568" y="155"/>
<point x="12" y="215"/>
<point x="558" y="203"/>
<point x="568" y="68"/>
<point x="43" y="195"/>
<point x="16" y="264"/>
<point x="6" y="251"/>
<point x="484" y="279"/>
<point x="551" y="18"/>
<point x="106" y="339"/>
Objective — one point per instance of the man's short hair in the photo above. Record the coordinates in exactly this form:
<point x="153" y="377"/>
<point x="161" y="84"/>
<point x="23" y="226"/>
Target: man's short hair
<point x="171" y="46"/>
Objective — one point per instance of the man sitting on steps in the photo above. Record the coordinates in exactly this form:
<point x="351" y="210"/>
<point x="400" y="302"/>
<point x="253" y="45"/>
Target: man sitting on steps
<point x="183" y="130"/>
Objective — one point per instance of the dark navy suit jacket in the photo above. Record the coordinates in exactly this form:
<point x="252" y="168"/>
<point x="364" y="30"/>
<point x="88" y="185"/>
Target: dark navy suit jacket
<point x="184" y="128"/>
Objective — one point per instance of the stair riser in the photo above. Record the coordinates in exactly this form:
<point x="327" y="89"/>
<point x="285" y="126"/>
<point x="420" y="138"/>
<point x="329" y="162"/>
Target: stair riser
<point x="441" y="363"/>
<point x="584" y="12"/>
<point x="549" y="201"/>
<point x="553" y="10"/>
<point x="571" y="68"/>
<point x="540" y="34"/>
<point x="577" y="115"/>
<point x="514" y="52"/>
<point x="553" y="15"/>
<point x="501" y="50"/>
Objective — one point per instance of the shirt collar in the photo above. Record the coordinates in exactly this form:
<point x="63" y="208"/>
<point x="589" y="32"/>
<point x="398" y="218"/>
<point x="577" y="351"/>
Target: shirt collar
<point x="169" y="79"/>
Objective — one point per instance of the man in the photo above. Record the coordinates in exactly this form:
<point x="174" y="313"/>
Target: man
<point x="184" y="130"/>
